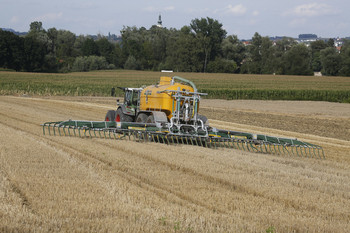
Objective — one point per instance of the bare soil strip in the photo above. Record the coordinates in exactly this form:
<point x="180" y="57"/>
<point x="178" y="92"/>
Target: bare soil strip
<point x="52" y="183"/>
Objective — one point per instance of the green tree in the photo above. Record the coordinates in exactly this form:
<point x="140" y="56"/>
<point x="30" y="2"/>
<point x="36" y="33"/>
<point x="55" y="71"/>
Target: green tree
<point x="38" y="33"/>
<point x="331" y="61"/>
<point x="268" y="61"/>
<point x="132" y="64"/>
<point x="132" y="42"/>
<point x="11" y="51"/>
<point x="182" y="52"/>
<point x="47" y="40"/>
<point x="316" y="47"/>
<point x="297" y="61"/>
<point x="65" y="44"/>
<point x="89" y="48"/>
<point x="282" y="47"/>
<point x="220" y="65"/>
<point x="107" y="50"/>
<point x="345" y="58"/>
<point x="52" y="34"/>
<point x="330" y="43"/>
<point x="158" y="38"/>
<point x="209" y="34"/>
<point x="89" y="63"/>
<point x="233" y="49"/>
<point x="34" y="55"/>
<point x="252" y="63"/>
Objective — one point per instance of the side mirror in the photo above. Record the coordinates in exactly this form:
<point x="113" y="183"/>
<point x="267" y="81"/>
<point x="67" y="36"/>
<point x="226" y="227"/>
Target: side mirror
<point x="113" y="92"/>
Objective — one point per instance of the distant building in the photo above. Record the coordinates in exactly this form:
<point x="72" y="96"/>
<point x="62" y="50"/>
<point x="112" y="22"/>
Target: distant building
<point x="307" y="37"/>
<point x="159" y="21"/>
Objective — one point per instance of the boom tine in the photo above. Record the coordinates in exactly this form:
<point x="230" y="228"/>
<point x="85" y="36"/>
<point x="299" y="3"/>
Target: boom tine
<point x="228" y="143"/>
<point x="242" y="144"/>
<point x="246" y="144"/>
<point x="59" y="131"/>
<point x="274" y="148"/>
<point x="297" y="151"/>
<point x="239" y="148"/>
<point x="54" y="130"/>
<point x="286" y="149"/>
<point x="278" y="152"/>
<point x="270" y="147"/>
<point x="301" y="151"/>
<point x="267" y="147"/>
<point x="323" y="153"/>
<point x="318" y="152"/>
<point x="308" y="155"/>
<point x="48" y="127"/>
<point x="199" y="141"/>
<point x="44" y="129"/>
<point x="311" y="154"/>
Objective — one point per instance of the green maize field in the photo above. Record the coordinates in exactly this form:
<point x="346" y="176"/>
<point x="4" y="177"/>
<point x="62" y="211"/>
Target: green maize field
<point x="218" y="86"/>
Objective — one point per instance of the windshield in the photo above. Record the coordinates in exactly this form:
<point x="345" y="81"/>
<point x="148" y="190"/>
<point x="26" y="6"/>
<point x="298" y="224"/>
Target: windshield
<point x="131" y="97"/>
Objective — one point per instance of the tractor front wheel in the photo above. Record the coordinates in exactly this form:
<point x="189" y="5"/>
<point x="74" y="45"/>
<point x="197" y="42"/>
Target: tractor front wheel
<point x="121" y="117"/>
<point x="110" y="116"/>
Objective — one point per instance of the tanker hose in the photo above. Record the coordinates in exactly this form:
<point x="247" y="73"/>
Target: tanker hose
<point x="186" y="81"/>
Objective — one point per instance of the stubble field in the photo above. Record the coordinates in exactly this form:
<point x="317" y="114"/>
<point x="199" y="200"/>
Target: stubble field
<point x="52" y="183"/>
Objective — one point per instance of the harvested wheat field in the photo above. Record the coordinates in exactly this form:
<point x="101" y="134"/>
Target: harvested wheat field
<point x="53" y="183"/>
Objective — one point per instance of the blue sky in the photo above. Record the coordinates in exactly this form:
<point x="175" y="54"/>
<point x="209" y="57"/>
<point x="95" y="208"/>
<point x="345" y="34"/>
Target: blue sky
<point x="326" y="18"/>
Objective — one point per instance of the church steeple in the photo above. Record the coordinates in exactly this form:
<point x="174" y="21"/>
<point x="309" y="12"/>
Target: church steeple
<point x="159" y="21"/>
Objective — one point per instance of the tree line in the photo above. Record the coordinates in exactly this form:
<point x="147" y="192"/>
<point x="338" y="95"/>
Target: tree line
<point x="202" y="46"/>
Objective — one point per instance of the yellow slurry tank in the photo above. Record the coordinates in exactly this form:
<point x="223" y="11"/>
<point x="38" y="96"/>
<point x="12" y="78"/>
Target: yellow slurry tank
<point x="161" y="97"/>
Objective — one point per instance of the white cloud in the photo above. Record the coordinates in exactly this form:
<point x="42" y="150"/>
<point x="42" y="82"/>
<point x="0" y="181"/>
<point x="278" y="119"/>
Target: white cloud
<point x="49" y="17"/>
<point x="298" y="22"/>
<point x="198" y="10"/>
<point x="236" y="10"/>
<point x="159" y="9"/>
<point x="14" y="19"/>
<point x="169" y="8"/>
<point x="313" y="9"/>
<point x="255" y="13"/>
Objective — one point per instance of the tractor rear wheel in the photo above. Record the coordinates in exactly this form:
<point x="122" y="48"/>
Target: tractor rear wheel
<point x="110" y="116"/>
<point x="142" y="118"/>
<point x="121" y="117"/>
<point x="150" y="119"/>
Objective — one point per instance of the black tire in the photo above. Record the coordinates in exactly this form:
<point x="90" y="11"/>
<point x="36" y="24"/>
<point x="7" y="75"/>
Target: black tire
<point x="110" y="116"/>
<point x="121" y="117"/>
<point x="142" y="118"/>
<point x="150" y="119"/>
<point x="204" y="119"/>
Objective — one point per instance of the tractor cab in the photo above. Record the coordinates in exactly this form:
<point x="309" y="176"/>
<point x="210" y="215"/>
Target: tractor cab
<point x="132" y="97"/>
<point x="131" y="103"/>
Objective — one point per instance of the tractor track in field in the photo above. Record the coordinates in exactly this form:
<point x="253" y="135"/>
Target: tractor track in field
<point x="14" y="187"/>
<point x="137" y="180"/>
<point x="133" y="178"/>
